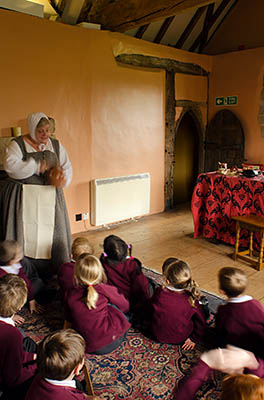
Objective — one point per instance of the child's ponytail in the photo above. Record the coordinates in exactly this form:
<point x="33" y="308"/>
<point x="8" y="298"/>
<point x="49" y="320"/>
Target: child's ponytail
<point x="92" y="297"/>
<point x="177" y="273"/>
<point x="88" y="271"/>
<point x="194" y="291"/>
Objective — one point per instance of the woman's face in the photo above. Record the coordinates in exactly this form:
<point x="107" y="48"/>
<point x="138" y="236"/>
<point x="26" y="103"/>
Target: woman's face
<point x="43" y="134"/>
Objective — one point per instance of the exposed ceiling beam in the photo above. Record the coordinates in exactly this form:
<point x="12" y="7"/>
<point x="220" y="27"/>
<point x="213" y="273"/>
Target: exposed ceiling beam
<point x="85" y="10"/>
<point x="72" y="11"/>
<point x="141" y="30"/>
<point x="163" y="29"/>
<point x="188" y="30"/>
<point x="215" y="16"/>
<point x="209" y="13"/>
<point x="220" y="23"/>
<point x="122" y="15"/>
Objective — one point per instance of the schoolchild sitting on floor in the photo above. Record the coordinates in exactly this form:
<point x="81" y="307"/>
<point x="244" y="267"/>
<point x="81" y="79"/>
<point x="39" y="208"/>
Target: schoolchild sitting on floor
<point x="79" y="246"/>
<point x="177" y="316"/>
<point x="231" y="360"/>
<point x="239" y="322"/>
<point x="95" y="309"/>
<point x="16" y="367"/>
<point x="124" y="271"/>
<point x="60" y="358"/>
<point x="10" y="256"/>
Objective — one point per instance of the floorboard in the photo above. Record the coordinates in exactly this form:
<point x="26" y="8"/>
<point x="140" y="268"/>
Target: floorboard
<point x="156" y="237"/>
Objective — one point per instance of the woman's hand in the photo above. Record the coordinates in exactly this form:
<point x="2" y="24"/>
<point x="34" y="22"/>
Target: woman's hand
<point x="188" y="344"/>
<point x="43" y="167"/>
<point x="56" y="177"/>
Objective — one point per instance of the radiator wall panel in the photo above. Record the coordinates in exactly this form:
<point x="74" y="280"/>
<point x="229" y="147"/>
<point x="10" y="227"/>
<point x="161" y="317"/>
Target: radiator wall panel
<point x="119" y="198"/>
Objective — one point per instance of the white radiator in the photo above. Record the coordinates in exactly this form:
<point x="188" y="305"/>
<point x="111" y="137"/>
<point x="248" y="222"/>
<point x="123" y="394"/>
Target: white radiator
<point x="120" y="198"/>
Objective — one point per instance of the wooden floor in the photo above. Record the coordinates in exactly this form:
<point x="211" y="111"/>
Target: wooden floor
<point x="156" y="237"/>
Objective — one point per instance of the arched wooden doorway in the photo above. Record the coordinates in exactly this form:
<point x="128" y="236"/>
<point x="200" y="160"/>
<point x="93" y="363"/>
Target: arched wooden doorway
<point x="224" y="141"/>
<point x="186" y="159"/>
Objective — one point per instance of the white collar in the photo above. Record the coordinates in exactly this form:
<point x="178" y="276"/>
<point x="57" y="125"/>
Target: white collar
<point x="241" y="299"/>
<point x="12" y="269"/>
<point x="8" y="321"/>
<point x="173" y="289"/>
<point x="61" y="383"/>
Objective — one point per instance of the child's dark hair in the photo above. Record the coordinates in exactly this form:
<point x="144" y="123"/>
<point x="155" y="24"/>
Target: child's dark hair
<point x="116" y="249"/>
<point x="9" y="250"/>
<point x="178" y="274"/>
<point x="59" y="353"/>
<point x="232" y="281"/>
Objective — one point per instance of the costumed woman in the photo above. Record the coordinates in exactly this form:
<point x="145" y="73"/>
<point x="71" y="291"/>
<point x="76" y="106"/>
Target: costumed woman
<point x="32" y="202"/>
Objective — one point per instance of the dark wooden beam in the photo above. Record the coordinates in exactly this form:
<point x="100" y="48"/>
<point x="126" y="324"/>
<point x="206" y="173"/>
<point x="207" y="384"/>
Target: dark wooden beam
<point x="120" y="15"/>
<point x="141" y="31"/>
<point x="164" y="27"/>
<point x="191" y="25"/>
<point x="220" y="23"/>
<point x="85" y="11"/>
<point x="170" y="65"/>
<point x="204" y="33"/>
<point x="215" y="16"/>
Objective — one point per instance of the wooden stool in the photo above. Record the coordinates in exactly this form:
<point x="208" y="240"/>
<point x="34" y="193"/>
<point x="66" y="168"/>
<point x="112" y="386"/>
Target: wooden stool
<point x="253" y="223"/>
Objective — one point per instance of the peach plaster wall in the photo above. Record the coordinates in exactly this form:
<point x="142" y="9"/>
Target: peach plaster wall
<point x="241" y="74"/>
<point x="110" y="118"/>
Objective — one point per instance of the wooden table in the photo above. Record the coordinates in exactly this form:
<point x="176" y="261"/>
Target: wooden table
<point x="253" y="223"/>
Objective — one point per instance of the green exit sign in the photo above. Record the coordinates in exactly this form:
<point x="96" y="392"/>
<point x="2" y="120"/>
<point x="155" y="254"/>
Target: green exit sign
<point x="226" y="101"/>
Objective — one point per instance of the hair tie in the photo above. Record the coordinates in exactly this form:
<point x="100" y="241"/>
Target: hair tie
<point x="90" y="284"/>
<point x="129" y="246"/>
<point x="105" y="255"/>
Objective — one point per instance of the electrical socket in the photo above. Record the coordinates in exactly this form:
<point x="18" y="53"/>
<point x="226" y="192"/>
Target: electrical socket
<point x="78" y="217"/>
<point x="85" y="216"/>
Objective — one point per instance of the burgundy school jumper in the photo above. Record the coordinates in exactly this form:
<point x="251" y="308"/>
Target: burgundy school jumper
<point x="12" y="371"/>
<point x="128" y="277"/>
<point x="102" y="325"/>
<point x="22" y="275"/>
<point x="174" y="319"/>
<point x="241" y="324"/>
<point x="43" y="390"/>
<point x="65" y="276"/>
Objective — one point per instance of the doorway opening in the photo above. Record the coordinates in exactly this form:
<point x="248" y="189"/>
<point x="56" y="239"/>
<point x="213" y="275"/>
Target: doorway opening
<point x="186" y="162"/>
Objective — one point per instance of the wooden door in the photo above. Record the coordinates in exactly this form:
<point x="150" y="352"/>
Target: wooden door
<point x="186" y="160"/>
<point x="224" y="141"/>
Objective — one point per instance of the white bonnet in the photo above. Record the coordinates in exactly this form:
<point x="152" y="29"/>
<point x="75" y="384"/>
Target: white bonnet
<point x="33" y="120"/>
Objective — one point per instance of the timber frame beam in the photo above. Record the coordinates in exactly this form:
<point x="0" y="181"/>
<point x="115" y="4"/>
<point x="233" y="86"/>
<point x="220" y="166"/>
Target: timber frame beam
<point x="171" y="67"/>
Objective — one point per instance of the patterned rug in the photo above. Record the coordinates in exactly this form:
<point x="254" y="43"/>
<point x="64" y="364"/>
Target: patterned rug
<point x="140" y="368"/>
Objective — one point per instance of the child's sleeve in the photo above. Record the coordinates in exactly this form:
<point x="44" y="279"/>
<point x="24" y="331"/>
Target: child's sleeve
<point x="139" y="282"/>
<point x="28" y="283"/>
<point x="199" y="323"/>
<point x="116" y="298"/>
<point x="14" y="371"/>
<point x="189" y="385"/>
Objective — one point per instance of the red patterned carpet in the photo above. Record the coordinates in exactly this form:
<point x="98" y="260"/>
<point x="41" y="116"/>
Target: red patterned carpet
<point x="140" y="369"/>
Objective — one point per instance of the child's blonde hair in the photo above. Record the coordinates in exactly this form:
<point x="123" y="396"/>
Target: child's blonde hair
<point x="81" y="245"/>
<point x="10" y="250"/>
<point x="179" y="275"/>
<point x="232" y="281"/>
<point x="13" y="295"/>
<point x="88" y="271"/>
<point x="242" y="387"/>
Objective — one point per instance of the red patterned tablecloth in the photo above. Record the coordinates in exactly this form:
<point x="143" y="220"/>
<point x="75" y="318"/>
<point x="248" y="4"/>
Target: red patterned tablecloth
<point x="217" y="198"/>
